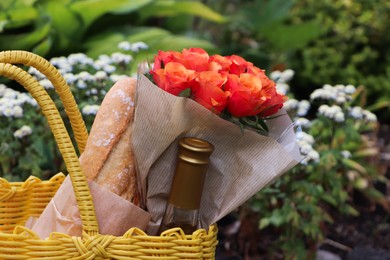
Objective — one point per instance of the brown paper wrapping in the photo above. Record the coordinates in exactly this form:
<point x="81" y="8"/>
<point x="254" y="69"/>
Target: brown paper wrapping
<point x="115" y="215"/>
<point x="242" y="163"/>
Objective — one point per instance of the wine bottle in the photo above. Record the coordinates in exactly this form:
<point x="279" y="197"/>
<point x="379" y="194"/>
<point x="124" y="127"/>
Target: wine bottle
<point x="187" y="186"/>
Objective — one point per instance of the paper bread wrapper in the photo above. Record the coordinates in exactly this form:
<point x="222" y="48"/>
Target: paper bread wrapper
<point x="241" y="165"/>
<point x="115" y="215"/>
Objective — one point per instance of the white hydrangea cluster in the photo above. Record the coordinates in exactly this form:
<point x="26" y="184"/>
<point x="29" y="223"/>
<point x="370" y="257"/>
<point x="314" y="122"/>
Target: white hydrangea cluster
<point x="12" y="102"/>
<point x="338" y="93"/>
<point x="333" y="112"/>
<point x="281" y="78"/>
<point x="306" y="142"/>
<point x="23" y="132"/>
<point x="134" y="47"/>
<point x="90" y="109"/>
<point x="300" y="107"/>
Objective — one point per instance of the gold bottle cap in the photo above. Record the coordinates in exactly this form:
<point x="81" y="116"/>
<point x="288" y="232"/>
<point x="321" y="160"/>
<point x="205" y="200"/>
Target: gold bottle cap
<point x="190" y="173"/>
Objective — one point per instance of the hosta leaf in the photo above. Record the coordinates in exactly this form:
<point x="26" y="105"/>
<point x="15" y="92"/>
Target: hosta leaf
<point x="60" y="15"/>
<point x="43" y="47"/>
<point x="163" y="8"/>
<point x="25" y="40"/>
<point x="90" y="10"/>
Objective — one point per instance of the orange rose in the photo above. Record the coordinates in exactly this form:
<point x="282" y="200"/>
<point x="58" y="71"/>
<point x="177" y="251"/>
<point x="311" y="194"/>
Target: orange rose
<point x="164" y="57"/>
<point x="207" y="90"/>
<point x="195" y="59"/>
<point x="219" y="63"/>
<point x="246" y="95"/>
<point x="174" y="78"/>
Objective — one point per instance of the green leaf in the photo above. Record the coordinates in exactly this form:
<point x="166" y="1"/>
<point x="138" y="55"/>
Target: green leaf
<point x="264" y="222"/>
<point x="90" y="10"/>
<point x="354" y="165"/>
<point x="264" y="13"/>
<point x="43" y="47"/>
<point x="18" y="17"/>
<point x="287" y="37"/>
<point x="25" y="40"/>
<point x="163" y="8"/>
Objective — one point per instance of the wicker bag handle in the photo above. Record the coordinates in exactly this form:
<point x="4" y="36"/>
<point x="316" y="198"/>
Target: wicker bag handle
<point x="50" y="111"/>
<point x="60" y="85"/>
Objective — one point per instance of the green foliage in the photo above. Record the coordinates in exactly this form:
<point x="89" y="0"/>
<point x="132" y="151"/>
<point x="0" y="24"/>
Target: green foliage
<point x="259" y="30"/>
<point x="338" y="161"/>
<point x="353" y="47"/>
<point x="50" y="28"/>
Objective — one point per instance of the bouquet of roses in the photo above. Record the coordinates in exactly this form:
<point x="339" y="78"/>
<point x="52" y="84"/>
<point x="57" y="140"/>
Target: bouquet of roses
<point x="204" y="96"/>
<point x="229" y="86"/>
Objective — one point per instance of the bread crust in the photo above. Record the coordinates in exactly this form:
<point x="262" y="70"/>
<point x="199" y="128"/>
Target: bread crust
<point x="108" y="157"/>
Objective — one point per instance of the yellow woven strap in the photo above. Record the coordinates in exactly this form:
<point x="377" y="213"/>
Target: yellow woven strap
<point x="50" y="111"/>
<point x="60" y="85"/>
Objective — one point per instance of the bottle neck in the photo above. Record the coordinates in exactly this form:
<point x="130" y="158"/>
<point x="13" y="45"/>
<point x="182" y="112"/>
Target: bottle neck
<point x="190" y="173"/>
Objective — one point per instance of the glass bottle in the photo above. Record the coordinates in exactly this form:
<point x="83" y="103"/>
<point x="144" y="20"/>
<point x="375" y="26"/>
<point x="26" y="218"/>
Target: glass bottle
<point x="187" y="185"/>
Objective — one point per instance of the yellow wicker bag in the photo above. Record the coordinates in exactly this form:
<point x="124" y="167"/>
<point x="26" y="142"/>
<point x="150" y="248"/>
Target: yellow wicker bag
<point x="18" y="201"/>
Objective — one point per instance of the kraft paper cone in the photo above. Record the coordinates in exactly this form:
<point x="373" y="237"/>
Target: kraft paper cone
<point x="115" y="215"/>
<point x="241" y="165"/>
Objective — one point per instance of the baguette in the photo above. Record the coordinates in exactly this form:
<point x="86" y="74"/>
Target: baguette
<point x="108" y="158"/>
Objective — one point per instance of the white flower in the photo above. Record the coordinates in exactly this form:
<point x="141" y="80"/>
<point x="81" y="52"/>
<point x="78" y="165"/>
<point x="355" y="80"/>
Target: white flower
<point x="341" y="99"/>
<point x="334" y="112"/>
<point x="116" y="77"/>
<point x="109" y="69"/>
<point x="349" y="89"/>
<point x="287" y="75"/>
<point x="275" y="75"/>
<point x="314" y="156"/>
<point x="137" y="46"/>
<point x="70" y="78"/>
<point x="81" y="84"/>
<point x="2" y="89"/>
<point x="305" y="143"/>
<point x="282" y="88"/>
<point x="346" y="154"/>
<point x="369" y="116"/>
<point x="93" y="91"/>
<point x="305" y="137"/>
<point x="356" y="112"/>
<point x="303" y="107"/>
<point x="62" y="63"/>
<point x="291" y="104"/>
<point x="79" y="58"/>
<point x="90" y="109"/>
<point x="304" y="122"/>
<point x="38" y="75"/>
<point x="118" y="57"/>
<point x="339" y="117"/>
<point x="10" y="93"/>
<point x="46" y="84"/>
<point x="18" y="111"/>
<point x="8" y="111"/>
<point x="85" y="76"/>
<point x="100" y="75"/>
<point x="125" y="45"/>
<point x="22" y="132"/>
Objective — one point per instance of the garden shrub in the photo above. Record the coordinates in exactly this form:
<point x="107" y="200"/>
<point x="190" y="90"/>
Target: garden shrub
<point x="353" y="47"/>
<point x="339" y="160"/>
